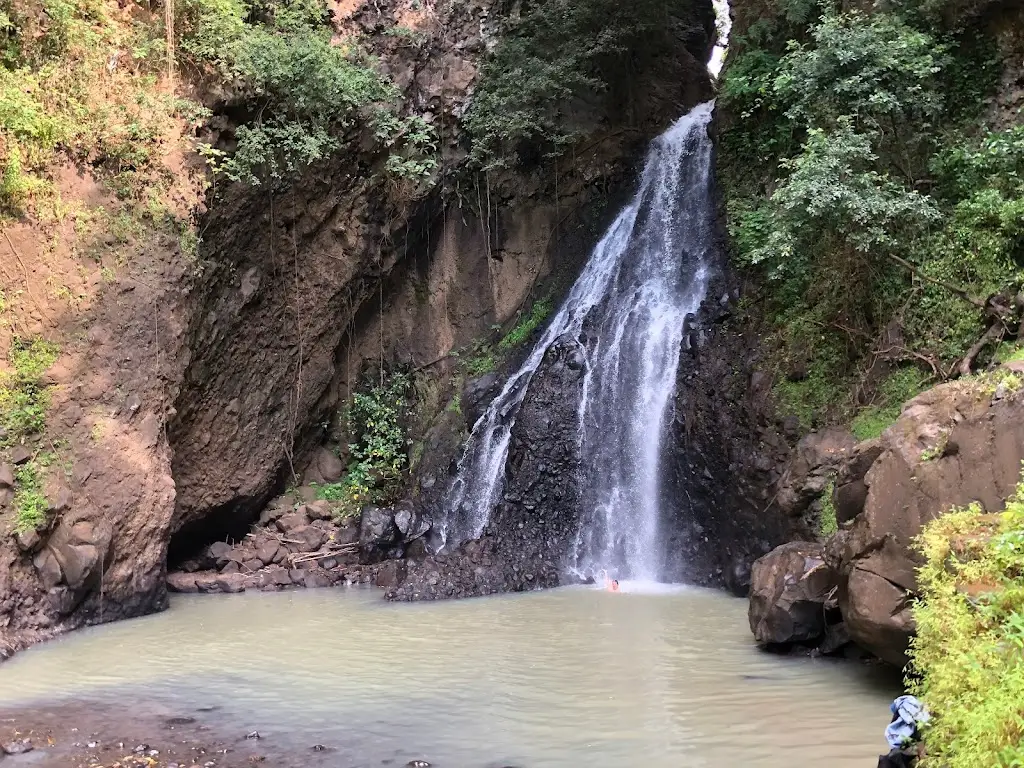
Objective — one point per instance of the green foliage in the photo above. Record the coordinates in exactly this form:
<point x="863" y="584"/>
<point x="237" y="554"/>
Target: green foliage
<point x="980" y="182"/>
<point x="842" y="159"/>
<point x="80" y="81"/>
<point x="455" y="406"/>
<point x="23" y="398"/>
<point x="821" y="390"/>
<point x="30" y="504"/>
<point x="873" y="71"/>
<point x="482" y="363"/>
<point x="828" y="523"/>
<point x="306" y="90"/>
<point x="556" y="53"/>
<point x="378" y="457"/>
<point x="1009" y="353"/>
<point x="898" y="387"/>
<point x="539" y="313"/>
<point x="970" y="636"/>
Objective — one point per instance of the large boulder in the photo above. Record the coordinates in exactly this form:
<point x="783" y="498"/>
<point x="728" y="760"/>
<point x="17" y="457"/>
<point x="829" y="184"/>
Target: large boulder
<point x="378" y="533"/>
<point x="791" y="590"/>
<point x="812" y="466"/>
<point x="957" y="443"/>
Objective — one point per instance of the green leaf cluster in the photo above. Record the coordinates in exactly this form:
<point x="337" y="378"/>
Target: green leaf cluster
<point x="898" y="387"/>
<point x="304" y="89"/>
<point x="968" y="657"/>
<point x="378" y="457"/>
<point x="30" y="504"/>
<point x="852" y="148"/>
<point x="527" y="324"/>
<point x="23" y="397"/>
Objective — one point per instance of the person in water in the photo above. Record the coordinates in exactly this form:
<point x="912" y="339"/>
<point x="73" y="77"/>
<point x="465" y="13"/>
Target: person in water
<point x="613" y="586"/>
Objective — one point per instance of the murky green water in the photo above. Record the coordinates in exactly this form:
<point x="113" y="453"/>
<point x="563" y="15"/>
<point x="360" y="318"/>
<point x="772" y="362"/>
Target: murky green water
<point x="565" y="678"/>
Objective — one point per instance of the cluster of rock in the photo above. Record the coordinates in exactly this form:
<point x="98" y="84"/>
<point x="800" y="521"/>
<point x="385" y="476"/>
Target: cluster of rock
<point x="955" y="444"/>
<point x="305" y="545"/>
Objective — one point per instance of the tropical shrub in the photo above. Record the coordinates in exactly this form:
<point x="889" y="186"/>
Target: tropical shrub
<point x="968" y="656"/>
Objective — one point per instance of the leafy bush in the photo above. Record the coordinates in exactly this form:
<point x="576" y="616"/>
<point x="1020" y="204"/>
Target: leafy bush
<point x="305" y="90"/>
<point x="970" y="636"/>
<point x="80" y="81"/>
<point x="898" y="387"/>
<point x="540" y="312"/>
<point x="30" y="504"/>
<point x="851" y="188"/>
<point x="379" y="453"/>
<point x="23" y="398"/>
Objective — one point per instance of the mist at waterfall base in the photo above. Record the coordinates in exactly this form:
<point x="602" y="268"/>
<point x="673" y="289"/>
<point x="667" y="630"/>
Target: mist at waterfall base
<point x="626" y="316"/>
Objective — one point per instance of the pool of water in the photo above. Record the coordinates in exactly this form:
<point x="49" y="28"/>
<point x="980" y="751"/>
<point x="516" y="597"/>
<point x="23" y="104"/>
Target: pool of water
<point x="664" y="678"/>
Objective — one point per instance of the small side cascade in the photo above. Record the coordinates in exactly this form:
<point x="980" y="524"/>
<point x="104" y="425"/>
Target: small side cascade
<point x="627" y="312"/>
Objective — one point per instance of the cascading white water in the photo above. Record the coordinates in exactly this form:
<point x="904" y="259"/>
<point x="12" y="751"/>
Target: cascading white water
<point x="627" y="312"/>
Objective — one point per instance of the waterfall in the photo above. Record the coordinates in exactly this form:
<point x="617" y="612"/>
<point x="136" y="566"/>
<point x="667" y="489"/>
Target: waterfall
<point x="627" y="312"/>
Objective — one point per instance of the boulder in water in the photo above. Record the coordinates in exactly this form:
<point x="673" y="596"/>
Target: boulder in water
<point x="791" y="589"/>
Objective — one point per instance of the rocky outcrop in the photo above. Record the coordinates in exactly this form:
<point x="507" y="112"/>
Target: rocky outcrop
<point x="956" y="444"/>
<point x="302" y="544"/>
<point x="727" y="449"/>
<point x="792" y="593"/>
<point x="527" y="539"/>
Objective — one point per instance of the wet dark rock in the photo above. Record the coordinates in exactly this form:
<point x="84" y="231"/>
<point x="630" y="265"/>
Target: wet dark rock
<point x="292" y="521"/>
<point x="308" y="537"/>
<point x="280" y="576"/>
<point x="207" y="581"/>
<point x="536" y="520"/>
<point x="391" y="574"/>
<point x="231" y="582"/>
<point x="315" y="579"/>
<point x="219" y="552"/>
<point x="28" y="541"/>
<point x="737" y="578"/>
<point x="329" y="466"/>
<point x="271" y="515"/>
<point x="269" y="552"/>
<point x="477" y="395"/>
<point x="48" y="568"/>
<point x="319" y="510"/>
<point x="789" y="595"/>
<point x="61" y="501"/>
<point x="812" y="466"/>
<point x="377" y="533"/>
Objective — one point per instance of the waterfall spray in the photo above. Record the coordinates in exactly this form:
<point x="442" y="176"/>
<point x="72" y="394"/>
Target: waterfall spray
<point x="627" y="312"/>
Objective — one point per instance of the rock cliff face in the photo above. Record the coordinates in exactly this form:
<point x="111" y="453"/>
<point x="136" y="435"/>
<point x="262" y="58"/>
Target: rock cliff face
<point x="956" y="444"/>
<point x="221" y="380"/>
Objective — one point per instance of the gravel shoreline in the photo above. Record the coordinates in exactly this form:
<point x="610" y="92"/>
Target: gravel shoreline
<point x="84" y="734"/>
